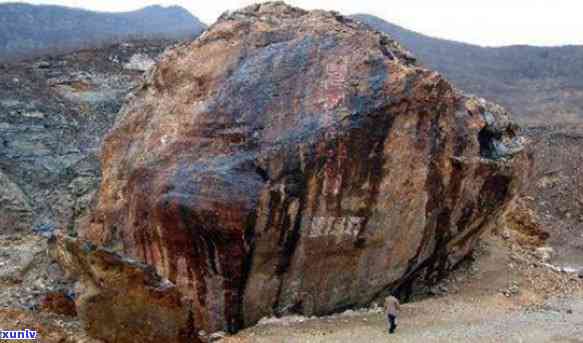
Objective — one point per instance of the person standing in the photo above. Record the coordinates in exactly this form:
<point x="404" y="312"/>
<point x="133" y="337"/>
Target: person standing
<point x="392" y="307"/>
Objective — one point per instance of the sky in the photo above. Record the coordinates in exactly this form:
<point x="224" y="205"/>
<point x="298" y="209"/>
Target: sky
<point x="484" y="22"/>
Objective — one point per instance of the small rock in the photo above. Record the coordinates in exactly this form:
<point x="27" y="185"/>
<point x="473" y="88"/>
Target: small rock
<point x="514" y="290"/>
<point x="506" y="234"/>
<point x="45" y="230"/>
<point x="114" y="59"/>
<point x="443" y="289"/>
<point x="213" y="337"/>
<point x="545" y="254"/>
<point x="140" y="62"/>
<point x="42" y="65"/>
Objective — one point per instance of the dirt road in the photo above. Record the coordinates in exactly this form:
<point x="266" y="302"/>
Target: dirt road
<point x="490" y="319"/>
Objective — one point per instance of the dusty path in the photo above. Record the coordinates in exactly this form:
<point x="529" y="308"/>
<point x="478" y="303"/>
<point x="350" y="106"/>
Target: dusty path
<point x="490" y="319"/>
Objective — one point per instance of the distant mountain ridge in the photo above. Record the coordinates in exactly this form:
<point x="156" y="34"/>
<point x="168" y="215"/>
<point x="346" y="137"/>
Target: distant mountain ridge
<point x="536" y="83"/>
<point x="26" y="30"/>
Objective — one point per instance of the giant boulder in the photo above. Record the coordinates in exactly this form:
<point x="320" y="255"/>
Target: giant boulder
<point x="294" y="161"/>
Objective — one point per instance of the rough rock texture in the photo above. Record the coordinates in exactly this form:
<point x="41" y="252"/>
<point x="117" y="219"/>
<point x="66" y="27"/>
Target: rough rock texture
<point x="521" y="224"/>
<point x="293" y="161"/>
<point x="15" y="209"/>
<point x="54" y="113"/>
<point x="26" y="272"/>
<point x="123" y="300"/>
<point x="556" y="193"/>
<point x="59" y="303"/>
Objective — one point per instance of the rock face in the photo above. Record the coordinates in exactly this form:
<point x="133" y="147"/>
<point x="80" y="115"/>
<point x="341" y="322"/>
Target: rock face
<point x="122" y="300"/>
<point x="293" y="161"/>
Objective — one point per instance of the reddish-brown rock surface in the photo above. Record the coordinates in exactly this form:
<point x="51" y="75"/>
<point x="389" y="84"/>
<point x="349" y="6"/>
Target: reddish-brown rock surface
<point x="121" y="300"/>
<point x="293" y="161"/>
<point x="59" y="303"/>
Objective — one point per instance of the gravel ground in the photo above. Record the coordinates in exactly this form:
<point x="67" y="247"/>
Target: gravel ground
<point x="491" y="319"/>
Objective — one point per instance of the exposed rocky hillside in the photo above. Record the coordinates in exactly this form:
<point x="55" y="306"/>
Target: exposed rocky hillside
<point x="29" y="29"/>
<point x="285" y="162"/>
<point x="54" y="113"/>
<point x="540" y="85"/>
<point x="557" y="190"/>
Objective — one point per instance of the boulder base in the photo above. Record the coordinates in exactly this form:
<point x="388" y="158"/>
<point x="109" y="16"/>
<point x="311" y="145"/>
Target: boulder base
<point x="121" y="300"/>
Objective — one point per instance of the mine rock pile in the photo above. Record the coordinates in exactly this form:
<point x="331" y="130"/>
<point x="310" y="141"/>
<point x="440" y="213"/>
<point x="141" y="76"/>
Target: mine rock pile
<point x="54" y="113"/>
<point x="289" y="162"/>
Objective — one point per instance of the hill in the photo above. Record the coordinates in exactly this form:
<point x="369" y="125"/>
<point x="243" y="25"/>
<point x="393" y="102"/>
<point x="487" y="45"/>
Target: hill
<point x="538" y="84"/>
<point x="27" y="30"/>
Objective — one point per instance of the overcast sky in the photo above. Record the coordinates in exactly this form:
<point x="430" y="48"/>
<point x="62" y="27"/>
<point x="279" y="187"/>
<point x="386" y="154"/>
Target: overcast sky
<point x="484" y="22"/>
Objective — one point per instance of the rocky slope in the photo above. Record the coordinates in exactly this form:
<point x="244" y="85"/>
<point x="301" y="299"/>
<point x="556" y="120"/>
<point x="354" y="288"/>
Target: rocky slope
<point x="29" y="29"/>
<point x="292" y="162"/>
<point x="557" y="190"/>
<point x="538" y="84"/>
<point x="54" y="113"/>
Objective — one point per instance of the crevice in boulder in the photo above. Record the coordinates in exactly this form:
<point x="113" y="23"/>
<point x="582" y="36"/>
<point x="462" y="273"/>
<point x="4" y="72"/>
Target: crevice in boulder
<point x="249" y="236"/>
<point x="487" y="140"/>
